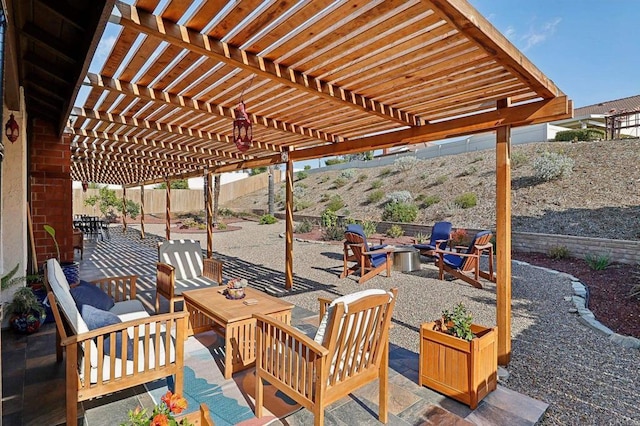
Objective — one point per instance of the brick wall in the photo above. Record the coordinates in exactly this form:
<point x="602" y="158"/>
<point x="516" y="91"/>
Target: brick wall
<point x="50" y="190"/>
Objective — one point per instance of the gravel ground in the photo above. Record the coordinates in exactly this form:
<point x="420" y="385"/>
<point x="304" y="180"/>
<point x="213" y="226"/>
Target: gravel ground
<point x="582" y="376"/>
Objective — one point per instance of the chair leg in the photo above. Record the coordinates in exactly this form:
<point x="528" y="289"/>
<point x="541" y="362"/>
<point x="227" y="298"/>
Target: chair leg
<point x="383" y="392"/>
<point x="259" y="396"/>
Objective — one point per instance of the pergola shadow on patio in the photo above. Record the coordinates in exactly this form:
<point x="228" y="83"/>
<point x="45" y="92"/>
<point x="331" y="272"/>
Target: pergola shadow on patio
<point x="36" y="391"/>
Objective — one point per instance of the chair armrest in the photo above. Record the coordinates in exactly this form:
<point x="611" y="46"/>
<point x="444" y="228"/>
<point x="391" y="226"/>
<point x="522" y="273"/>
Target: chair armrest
<point x="118" y="288"/>
<point x="212" y="269"/>
<point x="482" y="247"/>
<point x="165" y="279"/>
<point x="324" y="305"/>
<point x="385" y="250"/>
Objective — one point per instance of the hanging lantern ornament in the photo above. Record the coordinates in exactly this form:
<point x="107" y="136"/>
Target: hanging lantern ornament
<point x="11" y="129"/>
<point x="242" y="132"/>
<point x="85" y="186"/>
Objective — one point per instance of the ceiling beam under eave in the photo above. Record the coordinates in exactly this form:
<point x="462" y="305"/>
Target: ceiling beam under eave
<point x="537" y="112"/>
<point x="95" y="25"/>
<point x="186" y="38"/>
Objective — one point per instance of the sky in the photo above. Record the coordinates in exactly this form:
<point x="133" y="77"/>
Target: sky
<point x="588" y="48"/>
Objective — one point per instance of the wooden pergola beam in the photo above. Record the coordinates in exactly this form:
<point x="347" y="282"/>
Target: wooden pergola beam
<point x="189" y="104"/>
<point x="520" y="115"/>
<point x="209" y="47"/>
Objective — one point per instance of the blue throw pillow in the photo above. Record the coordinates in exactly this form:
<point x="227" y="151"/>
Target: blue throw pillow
<point x="88" y="294"/>
<point x="96" y="318"/>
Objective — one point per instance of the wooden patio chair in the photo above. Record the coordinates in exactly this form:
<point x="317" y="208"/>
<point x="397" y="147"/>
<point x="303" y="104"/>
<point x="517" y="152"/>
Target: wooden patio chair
<point x="369" y="260"/>
<point x="350" y="349"/>
<point x="440" y="235"/>
<point x="466" y="264"/>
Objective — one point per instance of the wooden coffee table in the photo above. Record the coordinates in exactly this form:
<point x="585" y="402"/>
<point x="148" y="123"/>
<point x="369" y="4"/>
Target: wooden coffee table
<point x="209" y="309"/>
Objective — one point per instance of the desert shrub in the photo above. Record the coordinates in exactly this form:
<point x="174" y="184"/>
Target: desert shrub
<point x="375" y="196"/>
<point x="466" y="200"/>
<point x="339" y="182"/>
<point x="518" y="159"/>
<point x="299" y="190"/>
<point x="332" y="161"/>
<point x="441" y="179"/>
<point x="579" y="135"/>
<point x="395" y="231"/>
<point x="333" y="233"/>
<point x="302" y="175"/>
<point x="324" y="197"/>
<point x="362" y="177"/>
<point x="267" y="219"/>
<point x="335" y="203"/>
<point x="430" y="200"/>
<point x="598" y="262"/>
<point x="400" y="212"/>
<point x="307" y="167"/>
<point x="329" y="218"/>
<point x="468" y="171"/>
<point x="399" y="197"/>
<point x="324" y="179"/>
<point x="405" y="164"/>
<point x="421" y="238"/>
<point x="221" y="226"/>
<point x="299" y="205"/>
<point x="558" y="252"/>
<point x="303" y="227"/>
<point x="348" y="173"/>
<point x="385" y="172"/>
<point x="376" y="184"/>
<point x="551" y="165"/>
<point x="369" y="227"/>
<point x="225" y="212"/>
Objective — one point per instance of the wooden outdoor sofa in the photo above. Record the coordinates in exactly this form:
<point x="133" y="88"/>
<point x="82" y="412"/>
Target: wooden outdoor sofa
<point x="152" y="347"/>
<point x="180" y="267"/>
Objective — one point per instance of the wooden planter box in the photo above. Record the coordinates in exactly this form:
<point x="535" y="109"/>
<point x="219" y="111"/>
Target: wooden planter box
<point x="465" y="371"/>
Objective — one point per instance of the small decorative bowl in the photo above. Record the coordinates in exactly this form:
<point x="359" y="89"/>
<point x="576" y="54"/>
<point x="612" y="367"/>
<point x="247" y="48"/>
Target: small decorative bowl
<point x="235" y="293"/>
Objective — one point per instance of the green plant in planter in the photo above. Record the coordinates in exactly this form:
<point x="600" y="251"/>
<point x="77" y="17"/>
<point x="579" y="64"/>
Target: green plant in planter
<point x="52" y="232"/>
<point x="26" y="312"/>
<point x="456" y="322"/>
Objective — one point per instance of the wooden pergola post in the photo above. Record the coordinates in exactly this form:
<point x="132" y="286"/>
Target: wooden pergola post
<point x="124" y="209"/>
<point x="208" y="202"/>
<point x="289" y="226"/>
<point x="168" y="211"/>
<point x="503" y="238"/>
<point x="142" y="212"/>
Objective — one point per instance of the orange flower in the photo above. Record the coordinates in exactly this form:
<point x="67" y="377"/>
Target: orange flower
<point x="175" y="403"/>
<point x="159" y="420"/>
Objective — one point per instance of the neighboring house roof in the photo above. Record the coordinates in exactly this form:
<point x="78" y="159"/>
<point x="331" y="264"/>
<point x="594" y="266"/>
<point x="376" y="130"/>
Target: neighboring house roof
<point x="632" y="103"/>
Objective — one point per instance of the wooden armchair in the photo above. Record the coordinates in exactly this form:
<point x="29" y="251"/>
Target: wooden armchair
<point x="181" y="267"/>
<point x="350" y="350"/>
<point x="369" y="260"/>
<point x="465" y="263"/>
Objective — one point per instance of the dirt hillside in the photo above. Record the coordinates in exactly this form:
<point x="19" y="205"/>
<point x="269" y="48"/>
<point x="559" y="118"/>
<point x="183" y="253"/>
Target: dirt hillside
<point x="600" y="198"/>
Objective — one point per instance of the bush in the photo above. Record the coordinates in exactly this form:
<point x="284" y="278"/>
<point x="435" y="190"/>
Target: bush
<point x="267" y="219"/>
<point x="324" y="179"/>
<point x="468" y="171"/>
<point x="369" y="227"/>
<point x="375" y="196"/>
<point x="385" y="172"/>
<point x="518" y="159"/>
<point x="376" y="184"/>
<point x="303" y="227"/>
<point x="225" y="212"/>
<point x="335" y="203"/>
<point x="430" y="200"/>
<point x="329" y="218"/>
<point x="348" y="173"/>
<point x="221" y="226"/>
<point x="405" y="164"/>
<point x="324" y="197"/>
<point x="399" y="197"/>
<point x="421" y="238"/>
<point x="302" y="175"/>
<point x="299" y="205"/>
<point x="395" y="231"/>
<point x="332" y="161"/>
<point x="333" y="233"/>
<point x="551" y="165"/>
<point x="441" y="179"/>
<point x="339" y="182"/>
<point x="362" y="177"/>
<point x="579" y="135"/>
<point x="598" y="262"/>
<point x="466" y="200"/>
<point x="400" y="212"/>
<point x="307" y="167"/>
<point x="558" y="252"/>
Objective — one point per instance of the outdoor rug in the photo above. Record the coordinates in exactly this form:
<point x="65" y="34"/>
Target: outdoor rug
<point x="230" y="401"/>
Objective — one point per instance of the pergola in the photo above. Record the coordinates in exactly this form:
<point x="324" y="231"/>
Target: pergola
<point x="318" y="78"/>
